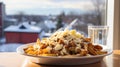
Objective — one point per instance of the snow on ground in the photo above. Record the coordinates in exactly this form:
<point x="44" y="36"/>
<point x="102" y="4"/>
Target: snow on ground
<point x="2" y="40"/>
<point x="10" y="47"/>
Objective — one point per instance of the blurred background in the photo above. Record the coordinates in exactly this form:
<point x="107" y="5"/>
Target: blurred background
<point x="23" y="22"/>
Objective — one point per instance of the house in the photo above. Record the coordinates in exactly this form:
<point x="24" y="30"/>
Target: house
<point x="47" y="25"/>
<point x="22" y="33"/>
<point x="10" y="21"/>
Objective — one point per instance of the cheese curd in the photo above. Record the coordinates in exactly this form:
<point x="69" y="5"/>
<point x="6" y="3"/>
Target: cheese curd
<point x="58" y="47"/>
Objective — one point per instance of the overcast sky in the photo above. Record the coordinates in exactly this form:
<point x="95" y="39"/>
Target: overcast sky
<point x="46" y="7"/>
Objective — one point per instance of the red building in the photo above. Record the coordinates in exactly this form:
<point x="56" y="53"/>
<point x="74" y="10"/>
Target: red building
<point x="2" y="15"/>
<point x="23" y="33"/>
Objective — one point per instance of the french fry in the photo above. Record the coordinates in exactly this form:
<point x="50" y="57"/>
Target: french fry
<point x="98" y="47"/>
<point x="38" y="41"/>
<point x="83" y="52"/>
<point x="48" y="55"/>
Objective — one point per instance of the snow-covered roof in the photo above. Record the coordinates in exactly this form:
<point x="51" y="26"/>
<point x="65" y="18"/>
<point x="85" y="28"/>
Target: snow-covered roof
<point x="24" y="27"/>
<point x="33" y="23"/>
<point x="11" y="19"/>
<point x="50" y="24"/>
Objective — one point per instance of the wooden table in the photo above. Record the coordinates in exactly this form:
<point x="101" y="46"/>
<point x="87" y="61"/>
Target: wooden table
<point x="15" y="60"/>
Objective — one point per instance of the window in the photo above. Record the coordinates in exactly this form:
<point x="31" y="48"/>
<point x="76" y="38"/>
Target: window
<point x="27" y="21"/>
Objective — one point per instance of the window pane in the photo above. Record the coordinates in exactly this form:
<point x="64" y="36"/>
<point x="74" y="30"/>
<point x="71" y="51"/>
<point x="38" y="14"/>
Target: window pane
<point x="25" y="21"/>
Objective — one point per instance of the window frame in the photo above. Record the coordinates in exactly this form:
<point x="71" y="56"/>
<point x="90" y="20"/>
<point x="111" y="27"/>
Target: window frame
<point x="113" y="20"/>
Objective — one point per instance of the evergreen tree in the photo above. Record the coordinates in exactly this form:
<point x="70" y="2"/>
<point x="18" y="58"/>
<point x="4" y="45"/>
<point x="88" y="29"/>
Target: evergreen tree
<point x="59" y="22"/>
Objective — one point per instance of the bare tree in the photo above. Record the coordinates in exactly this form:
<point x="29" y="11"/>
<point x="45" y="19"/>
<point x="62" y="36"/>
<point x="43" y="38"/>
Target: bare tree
<point x="20" y="16"/>
<point x="98" y="5"/>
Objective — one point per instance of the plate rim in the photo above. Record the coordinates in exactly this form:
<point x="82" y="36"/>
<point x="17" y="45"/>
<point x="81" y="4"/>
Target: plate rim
<point x="20" y="50"/>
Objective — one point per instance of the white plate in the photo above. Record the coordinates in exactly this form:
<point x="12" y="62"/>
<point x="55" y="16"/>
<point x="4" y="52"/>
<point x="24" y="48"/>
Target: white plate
<point x="62" y="60"/>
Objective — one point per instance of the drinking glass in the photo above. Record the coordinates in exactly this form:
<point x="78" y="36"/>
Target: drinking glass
<point x="98" y="34"/>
